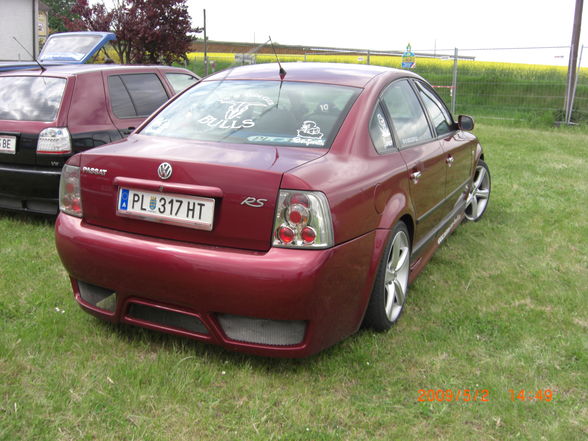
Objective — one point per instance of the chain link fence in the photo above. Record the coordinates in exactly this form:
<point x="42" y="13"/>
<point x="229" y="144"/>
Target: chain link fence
<point x="494" y="90"/>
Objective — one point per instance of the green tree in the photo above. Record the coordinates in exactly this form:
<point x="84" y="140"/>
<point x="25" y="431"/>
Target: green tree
<point x="147" y="31"/>
<point x="59" y="11"/>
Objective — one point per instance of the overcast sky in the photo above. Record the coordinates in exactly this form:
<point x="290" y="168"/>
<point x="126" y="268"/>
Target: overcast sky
<point x="392" y="24"/>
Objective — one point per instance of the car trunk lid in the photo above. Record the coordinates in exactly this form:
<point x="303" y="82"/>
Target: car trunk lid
<point x="238" y="184"/>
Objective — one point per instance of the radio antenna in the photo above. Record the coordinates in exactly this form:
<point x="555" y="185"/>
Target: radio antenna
<point x="282" y="70"/>
<point x="43" y="69"/>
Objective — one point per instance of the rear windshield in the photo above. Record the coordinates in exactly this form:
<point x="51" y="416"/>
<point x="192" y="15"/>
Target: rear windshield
<point x="69" y="47"/>
<point x="30" y="98"/>
<point x="257" y="112"/>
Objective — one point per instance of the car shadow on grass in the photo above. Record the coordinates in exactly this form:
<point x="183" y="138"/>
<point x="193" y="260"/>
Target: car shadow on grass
<point x="27" y="217"/>
<point x="184" y="348"/>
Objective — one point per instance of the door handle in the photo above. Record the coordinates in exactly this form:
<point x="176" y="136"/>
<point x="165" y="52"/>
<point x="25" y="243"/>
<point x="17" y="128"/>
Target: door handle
<point x="415" y="176"/>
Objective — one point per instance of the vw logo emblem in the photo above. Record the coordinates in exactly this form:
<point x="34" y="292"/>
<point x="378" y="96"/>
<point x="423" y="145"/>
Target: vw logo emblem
<point x="164" y="171"/>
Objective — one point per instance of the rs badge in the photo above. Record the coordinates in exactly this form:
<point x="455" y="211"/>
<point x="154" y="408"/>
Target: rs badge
<point x="254" y="202"/>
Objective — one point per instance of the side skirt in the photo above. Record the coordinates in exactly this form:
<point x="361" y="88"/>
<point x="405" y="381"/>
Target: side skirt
<point x="426" y="247"/>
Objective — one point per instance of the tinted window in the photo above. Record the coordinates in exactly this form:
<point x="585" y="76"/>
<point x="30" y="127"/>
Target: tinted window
<point x="380" y="132"/>
<point x="135" y="95"/>
<point x="120" y="100"/>
<point x="30" y="98"/>
<point x="180" y="81"/>
<point x="440" y="116"/>
<point x="257" y="112"/>
<point x="406" y="112"/>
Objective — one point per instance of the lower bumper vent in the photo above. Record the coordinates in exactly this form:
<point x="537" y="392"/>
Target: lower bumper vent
<point x="166" y="318"/>
<point x="96" y="296"/>
<point x="263" y="331"/>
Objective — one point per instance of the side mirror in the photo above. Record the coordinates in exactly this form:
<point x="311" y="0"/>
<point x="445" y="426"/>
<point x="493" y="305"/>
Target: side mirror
<point x="465" y="122"/>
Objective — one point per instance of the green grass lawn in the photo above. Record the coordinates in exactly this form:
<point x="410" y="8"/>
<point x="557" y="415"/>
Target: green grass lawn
<point x="501" y="306"/>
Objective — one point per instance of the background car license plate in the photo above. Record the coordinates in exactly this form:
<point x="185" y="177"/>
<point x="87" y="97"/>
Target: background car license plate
<point x="188" y="211"/>
<point x="8" y="144"/>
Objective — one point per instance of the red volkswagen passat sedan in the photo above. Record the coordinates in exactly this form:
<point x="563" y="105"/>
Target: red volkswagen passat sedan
<point x="271" y="211"/>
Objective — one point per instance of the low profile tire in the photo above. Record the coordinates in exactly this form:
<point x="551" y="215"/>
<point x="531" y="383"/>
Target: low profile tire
<point x="479" y="194"/>
<point x="391" y="285"/>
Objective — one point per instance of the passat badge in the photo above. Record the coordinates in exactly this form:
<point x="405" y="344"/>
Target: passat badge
<point x="164" y="171"/>
<point x="94" y="171"/>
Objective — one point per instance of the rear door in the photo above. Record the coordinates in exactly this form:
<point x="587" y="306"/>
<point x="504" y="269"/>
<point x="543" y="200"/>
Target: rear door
<point x="458" y="148"/>
<point x="133" y="96"/>
<point x="423" y="155"/>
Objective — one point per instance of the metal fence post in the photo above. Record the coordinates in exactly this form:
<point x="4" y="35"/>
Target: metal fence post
<point x="570" y="90"/>
<point x="368" y="57"/>
<point x="575" y="87"/>
<point x="205" y="46"/>
<point x="454" y="83"/>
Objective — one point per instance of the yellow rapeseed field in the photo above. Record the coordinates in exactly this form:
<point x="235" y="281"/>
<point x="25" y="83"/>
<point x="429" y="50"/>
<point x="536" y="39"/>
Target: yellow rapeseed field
<point x="505" y="90"/>
<point x="517" y="71"/>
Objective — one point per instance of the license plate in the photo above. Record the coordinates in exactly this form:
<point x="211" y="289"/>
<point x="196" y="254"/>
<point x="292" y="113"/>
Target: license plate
<point x="187" y="211"/>
<point x="8" y="144"/>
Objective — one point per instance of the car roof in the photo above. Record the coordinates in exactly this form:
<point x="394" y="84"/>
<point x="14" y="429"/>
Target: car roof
<point x="66" y="70"/>
<point x="354" y="75"/>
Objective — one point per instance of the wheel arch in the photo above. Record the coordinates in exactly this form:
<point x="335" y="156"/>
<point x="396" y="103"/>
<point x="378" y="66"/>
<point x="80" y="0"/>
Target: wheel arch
<point x="409" y="222"/>
<point x="479" y="154"/>
<point x="398" y="208"/>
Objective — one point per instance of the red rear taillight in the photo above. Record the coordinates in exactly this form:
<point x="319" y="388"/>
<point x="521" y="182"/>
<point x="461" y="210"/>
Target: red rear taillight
<point x="70" y="194"/>
<point x="300" y="198"/>
<point x="297" y="214"/>
<point x="285" y="234"/>
<point x="308" y="235"/>
<point x="303" y="220"/>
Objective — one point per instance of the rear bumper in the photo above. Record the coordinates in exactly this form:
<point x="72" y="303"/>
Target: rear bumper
<point x="326" y="290"/>
<point x="25" y="188"/>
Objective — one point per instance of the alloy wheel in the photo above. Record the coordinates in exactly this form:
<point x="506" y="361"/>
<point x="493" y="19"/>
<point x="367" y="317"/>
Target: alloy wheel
<point x="396" y="278"/>
<point x="479" y="194"/>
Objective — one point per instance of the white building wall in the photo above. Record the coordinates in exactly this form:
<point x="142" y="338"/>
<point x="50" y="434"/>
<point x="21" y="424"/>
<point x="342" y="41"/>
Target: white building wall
<point x="18" y="18"/>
